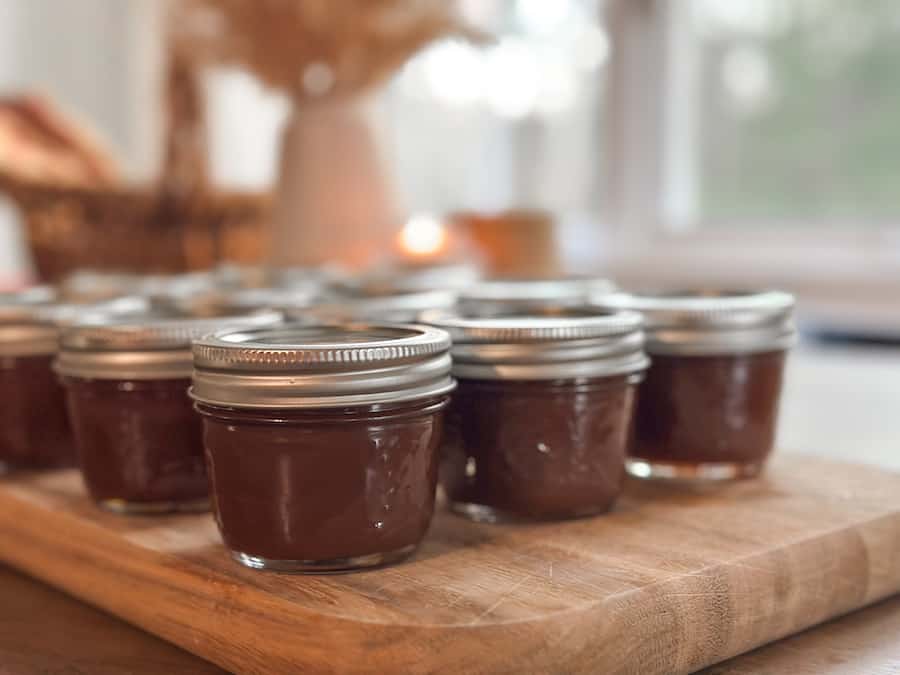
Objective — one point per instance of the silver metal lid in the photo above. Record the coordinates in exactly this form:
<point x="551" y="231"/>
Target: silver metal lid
<point x="396" y="308"/>
<point x="570" y="343"/>
<point x="68" y="313"/>
<point x="233" y="276"/>
<point x="404" y="277"/>
<point x="711" y="321"/>
<point x="30" y="321"/>
<point x="151" y="348"/>
<point x="25" y="330"/>
<point x="248" y="299"/>
<point x="493" y="296"/>
<point x="177" y="286"/>
<point x="305" y="278"/>
<point x="300" y="366"/>
<point x="20" y="305"/>
<point x="94" y="286"/>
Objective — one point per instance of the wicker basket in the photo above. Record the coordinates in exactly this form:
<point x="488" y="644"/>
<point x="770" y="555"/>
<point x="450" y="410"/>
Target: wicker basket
<point x="178" y="224"/>
<point x="137" y="230"/>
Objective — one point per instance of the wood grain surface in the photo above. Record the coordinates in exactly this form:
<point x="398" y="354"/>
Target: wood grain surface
<point x="673" y="581"/>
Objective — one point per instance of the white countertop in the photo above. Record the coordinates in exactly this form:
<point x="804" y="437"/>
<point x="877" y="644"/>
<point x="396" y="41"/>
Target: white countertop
<point x="843" y="402"/>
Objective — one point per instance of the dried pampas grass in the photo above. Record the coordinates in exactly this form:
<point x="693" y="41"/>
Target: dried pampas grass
<point x="315" y="49"/>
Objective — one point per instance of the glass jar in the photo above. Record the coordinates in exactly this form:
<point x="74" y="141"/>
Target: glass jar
<point x="497" y="296"/>
<point x="321" y="441"/>
<point x="34" y="429"/>
<point x="138" y="439"/>
<point x="708" y="408"/>
<point x="541" y="420"/>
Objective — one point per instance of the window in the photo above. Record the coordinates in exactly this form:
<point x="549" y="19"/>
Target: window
<point x="736" y="139"/>
<point x="752" y="142"/>
<point x="517" y="123"/>
<point x="798" y="102"/>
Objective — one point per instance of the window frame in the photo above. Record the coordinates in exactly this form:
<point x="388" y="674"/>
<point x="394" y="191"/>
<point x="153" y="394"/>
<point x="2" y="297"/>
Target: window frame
<point x="652" y="173"/>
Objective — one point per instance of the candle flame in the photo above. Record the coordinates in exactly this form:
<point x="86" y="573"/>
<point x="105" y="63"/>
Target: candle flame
<point x="423" y="235"/>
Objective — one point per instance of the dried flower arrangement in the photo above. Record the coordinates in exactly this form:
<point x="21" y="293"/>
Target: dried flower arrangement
<point x="334" y="200"/>
<point x="316" y="48"/>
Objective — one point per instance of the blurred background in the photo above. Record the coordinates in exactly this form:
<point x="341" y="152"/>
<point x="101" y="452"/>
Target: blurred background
<point x="745" y="138"/>
<point x="659" y="142"/>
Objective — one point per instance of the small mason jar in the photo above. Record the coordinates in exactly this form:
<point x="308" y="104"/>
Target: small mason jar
<point x="138" y="438"/>
<point x="542" y="417"/>
<point x="321" y="441"/>
<point x="34" y="429"/>
<point x="708" y="408"/>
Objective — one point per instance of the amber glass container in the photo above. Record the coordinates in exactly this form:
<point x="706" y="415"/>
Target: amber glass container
<point x="541" y="420"/>
<point x="708" y="408"/>
<point x="138" y="438"/>
<point x="322" y="441"/>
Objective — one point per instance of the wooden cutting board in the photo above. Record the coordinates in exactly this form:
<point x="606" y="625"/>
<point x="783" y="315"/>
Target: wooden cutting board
<point x="674" y="580"/>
